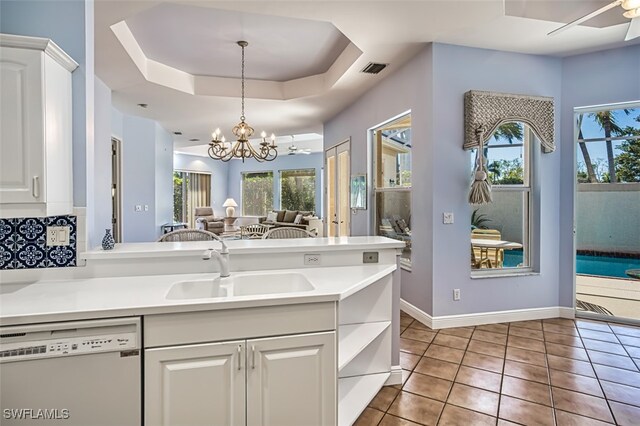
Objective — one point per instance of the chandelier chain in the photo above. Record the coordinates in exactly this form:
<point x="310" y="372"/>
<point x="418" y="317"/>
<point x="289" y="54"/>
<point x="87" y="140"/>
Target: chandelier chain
<point x="242" y="79"/>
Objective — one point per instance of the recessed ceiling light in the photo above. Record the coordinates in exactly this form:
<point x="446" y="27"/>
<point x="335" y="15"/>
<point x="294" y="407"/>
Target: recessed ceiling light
<point x="177" y="133"/>
<point x="143" y="105"/>
<point x="194" y="140"/>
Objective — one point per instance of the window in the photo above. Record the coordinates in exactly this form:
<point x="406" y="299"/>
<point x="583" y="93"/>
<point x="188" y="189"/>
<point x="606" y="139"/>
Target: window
<point x="500" y="230"/>
<point x="257" y="193"/>
<point x="392" y="182"/>
<point x="298" y="189"/>
<point x="609" y="146"/>
<point x="190" y="190"/>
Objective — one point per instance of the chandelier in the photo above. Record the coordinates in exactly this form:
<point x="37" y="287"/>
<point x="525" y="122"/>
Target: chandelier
<point x="220" y="149"/>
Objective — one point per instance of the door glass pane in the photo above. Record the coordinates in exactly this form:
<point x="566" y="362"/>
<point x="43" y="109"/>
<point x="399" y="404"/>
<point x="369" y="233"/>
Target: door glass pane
<point x="343" y="181"/>
<point x="393" y="214"/>
<point x="298" y="190"/>
<point x="331" y="195"/>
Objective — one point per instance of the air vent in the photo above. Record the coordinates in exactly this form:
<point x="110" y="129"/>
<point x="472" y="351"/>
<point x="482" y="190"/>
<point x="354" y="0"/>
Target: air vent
<point x="373" y="68"/>
<point x="177" y="133"/>
<point x="143" y="105"/>
<point x="12" y="335"/>
<point x="194" y="140"/>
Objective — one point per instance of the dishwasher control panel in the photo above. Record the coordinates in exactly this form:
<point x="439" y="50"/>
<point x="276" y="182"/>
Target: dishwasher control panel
<point x="81" y="345"/>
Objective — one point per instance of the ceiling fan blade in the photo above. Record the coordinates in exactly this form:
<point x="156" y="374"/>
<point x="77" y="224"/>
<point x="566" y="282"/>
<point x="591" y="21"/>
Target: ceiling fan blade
<point x="634" y="29"/>
<point x="586" y="17"/>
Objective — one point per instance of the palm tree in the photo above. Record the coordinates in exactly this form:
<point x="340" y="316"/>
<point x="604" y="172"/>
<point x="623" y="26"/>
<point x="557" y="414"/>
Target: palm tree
<point x="591" y="174"/>
<point x="509" y="131"/>
<point x="607" y="122"/>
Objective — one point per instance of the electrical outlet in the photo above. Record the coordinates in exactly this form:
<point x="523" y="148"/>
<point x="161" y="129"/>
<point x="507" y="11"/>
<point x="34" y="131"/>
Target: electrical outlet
<point x="312" y="259"/>
<point x="447" y="218"/>
<point x="138" y="207"/>
<point x="370" y="257"/>
<point x="456" y="294"/>
<point x="58" y="235"/>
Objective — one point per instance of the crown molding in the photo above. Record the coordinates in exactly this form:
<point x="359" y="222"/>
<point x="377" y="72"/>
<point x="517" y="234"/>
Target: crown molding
<point x="46" y="45"/>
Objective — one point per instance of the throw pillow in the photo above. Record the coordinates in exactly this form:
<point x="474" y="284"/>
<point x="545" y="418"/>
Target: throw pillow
<point x="271" y="217"/>
<point x="298" y="219"/>
<point x="290" y="216"/>
<point x="280" y="217"/>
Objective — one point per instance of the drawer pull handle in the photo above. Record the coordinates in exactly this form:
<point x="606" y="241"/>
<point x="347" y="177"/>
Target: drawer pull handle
<point x="239" y="357"/>
<point x="253" y="357"/>
<point x="36" y="187"/>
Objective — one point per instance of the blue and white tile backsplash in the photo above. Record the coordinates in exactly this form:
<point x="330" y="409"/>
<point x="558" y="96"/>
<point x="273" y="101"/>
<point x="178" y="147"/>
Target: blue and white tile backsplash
<point x="23" y="243"/>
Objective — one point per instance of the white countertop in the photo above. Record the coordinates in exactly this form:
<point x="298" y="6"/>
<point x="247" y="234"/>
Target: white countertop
<point x="63" y="300"/>
<point x="195" y="248"/>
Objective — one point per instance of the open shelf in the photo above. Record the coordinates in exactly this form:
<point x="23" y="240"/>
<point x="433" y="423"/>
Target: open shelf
<point x="354" y="338"/>
<point x="355" y="393"/>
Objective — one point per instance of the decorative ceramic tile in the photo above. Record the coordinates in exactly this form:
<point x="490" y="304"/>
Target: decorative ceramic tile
<point x="23" y="243"/>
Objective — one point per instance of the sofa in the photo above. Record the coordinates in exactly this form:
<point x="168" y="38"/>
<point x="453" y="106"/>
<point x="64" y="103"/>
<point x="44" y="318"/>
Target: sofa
<point x="288" y="217"/>
<point x="205" y="217"/>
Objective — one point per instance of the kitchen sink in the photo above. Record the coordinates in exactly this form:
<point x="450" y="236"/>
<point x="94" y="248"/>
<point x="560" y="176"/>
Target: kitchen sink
<point x="241" y="285"/>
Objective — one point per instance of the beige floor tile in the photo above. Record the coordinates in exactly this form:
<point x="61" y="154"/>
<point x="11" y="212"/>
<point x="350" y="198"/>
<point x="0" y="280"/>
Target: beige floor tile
<point x="458" y="331"/>
<point x="569" y="419"/>
<point x="526" y="356"/>
<point x="526" y="344"/>
<point x="496" y="328"/>
<point x="525" y="412"/>
<point x="526" y="371"/>
<point x="582" y="404"/>
<point x="525" y="389"/>
<point x="451" y="341"/>
<point x="456" y="416"/>
<point x="369" y="417"/>
<point x="626" y="415"/>
<point x="621" y="393"/>
<point x="382" y="401"/>
<point x="570" y="365"/>
<point x="474" y="399"/>
<point x="484" y="362"/>
<point x="576" y="382"/>
<point x="526" y="332"/>
<point x="421" y="335"/>
<point x="566" y="351"/>
<point x="445" y="353"/>
<point x="563" y="339"/>
<point x="598" y="335"/>
<point x="566" y="322"/>
<point x="612" y="360"/>
<point x="503" y="422"/>
<point x="408" y="361"/>
<point x="416" y="408"/>
<point x="491" y="337"/>
<point x="429" y="386"/>
<point x="597" y="345"/>
<point x="413" y="346"/>
<point x="486" y="348"/>
<point x="554" y="328"/>
<point x="405" y="376"/>
<point x="420" y="326"/>
<point x="389" y="420"/>
<point x="531" y="325"/>
<point x="617" y="375"/>
<point x="479" y="378"/>
<point x="437" y="368"/>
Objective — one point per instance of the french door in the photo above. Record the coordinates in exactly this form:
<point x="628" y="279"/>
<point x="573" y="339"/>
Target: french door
<point x="338" y="169"/>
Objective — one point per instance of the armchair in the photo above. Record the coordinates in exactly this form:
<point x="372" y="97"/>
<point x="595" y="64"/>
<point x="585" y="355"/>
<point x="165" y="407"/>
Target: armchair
<point x="211" y="222"/>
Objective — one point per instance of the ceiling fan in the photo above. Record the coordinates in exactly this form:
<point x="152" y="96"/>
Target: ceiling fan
<point x="632" y="11"/>
<point x="294" y="150"/>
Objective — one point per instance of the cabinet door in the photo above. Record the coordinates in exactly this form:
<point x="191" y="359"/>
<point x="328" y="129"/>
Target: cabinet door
<point x="21" y="126"/>
<point x="291" y="381"/>
<point x="195" y="385"/>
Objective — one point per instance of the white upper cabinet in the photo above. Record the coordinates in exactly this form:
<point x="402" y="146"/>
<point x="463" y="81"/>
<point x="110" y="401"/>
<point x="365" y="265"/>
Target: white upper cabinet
<point x="35" y="128"/>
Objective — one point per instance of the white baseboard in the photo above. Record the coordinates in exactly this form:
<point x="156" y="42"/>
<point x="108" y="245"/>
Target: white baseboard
<point x="396" y="376"/>
<point x="448" y="321"/>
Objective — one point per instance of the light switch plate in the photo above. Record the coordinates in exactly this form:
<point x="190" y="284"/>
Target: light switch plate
<point x="447" y="218"/>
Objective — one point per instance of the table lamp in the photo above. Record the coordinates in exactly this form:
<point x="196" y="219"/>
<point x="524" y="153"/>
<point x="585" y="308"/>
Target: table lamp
<point x="230" y="204"/>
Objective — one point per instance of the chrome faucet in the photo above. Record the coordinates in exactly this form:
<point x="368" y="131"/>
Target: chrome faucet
<point x="221" y="256"/>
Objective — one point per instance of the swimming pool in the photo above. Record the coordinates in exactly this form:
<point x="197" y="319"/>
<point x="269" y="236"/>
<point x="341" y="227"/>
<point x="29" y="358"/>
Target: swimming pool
<point x="605" y="266"/>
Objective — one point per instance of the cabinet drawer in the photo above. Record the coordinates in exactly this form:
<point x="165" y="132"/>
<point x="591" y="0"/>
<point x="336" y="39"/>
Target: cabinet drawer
<point x="246" y="323"/>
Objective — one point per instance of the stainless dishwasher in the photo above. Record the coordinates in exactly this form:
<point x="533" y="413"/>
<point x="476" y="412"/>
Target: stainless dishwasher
<point x="71" y="373"/>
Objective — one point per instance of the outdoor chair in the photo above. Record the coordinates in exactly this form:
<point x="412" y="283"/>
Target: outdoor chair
<point x="486" y="257"/>
<point x="287" y="232"/>
<point x="253" y="231"/>
<point x="188" y="235"/>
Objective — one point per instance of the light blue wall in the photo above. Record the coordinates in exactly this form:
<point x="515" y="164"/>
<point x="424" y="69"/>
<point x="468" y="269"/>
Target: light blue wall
<point x="164" y="177"/>
<point x="70" y="25"/>
<point x="219" y="176"/>
<point x="283" y="162"/>
<point x="101" y="211"/>
<point x="409" y="88"/>
<point x="609" y="76"/>
<point x="457" y="70"/>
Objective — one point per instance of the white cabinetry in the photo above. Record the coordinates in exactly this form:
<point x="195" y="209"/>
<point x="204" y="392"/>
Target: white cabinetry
<point x="35" y="127"/>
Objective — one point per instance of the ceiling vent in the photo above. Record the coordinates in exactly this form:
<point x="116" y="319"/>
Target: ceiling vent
<point x="373" y="68"/>
<point x="177" y="133"/>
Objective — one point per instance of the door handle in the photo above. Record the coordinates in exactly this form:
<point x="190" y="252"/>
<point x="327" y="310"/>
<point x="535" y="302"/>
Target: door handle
<point x="239" y="357"/>
<point x="36" y="187"/>
<point x="253" y="357"/>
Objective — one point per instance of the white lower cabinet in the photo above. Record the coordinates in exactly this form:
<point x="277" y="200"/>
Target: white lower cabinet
<point x="277" y="381"/>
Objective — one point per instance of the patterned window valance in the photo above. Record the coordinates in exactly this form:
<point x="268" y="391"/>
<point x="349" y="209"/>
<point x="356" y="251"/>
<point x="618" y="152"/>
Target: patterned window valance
<point x="486" y="111"/>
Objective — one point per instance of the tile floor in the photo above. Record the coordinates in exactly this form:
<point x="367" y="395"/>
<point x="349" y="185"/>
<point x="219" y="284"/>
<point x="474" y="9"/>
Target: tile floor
<point x="550" y="372"/>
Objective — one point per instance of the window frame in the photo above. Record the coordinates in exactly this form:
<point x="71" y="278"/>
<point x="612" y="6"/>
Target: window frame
<point x="315" y="182"/>
<point x="242" y="190"/>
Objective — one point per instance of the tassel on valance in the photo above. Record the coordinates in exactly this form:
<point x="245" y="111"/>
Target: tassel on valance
<point x="481" y="187"/>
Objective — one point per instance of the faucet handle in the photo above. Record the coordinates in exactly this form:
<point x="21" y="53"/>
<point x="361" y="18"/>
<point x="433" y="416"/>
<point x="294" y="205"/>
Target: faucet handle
<point x="206" y="255"/>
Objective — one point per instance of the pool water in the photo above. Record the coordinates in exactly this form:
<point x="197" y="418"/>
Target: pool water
<point x="587" y="265"/>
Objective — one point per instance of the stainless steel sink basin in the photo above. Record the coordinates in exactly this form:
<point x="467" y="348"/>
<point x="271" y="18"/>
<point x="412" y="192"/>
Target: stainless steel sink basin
<point x="241" y="285"/>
